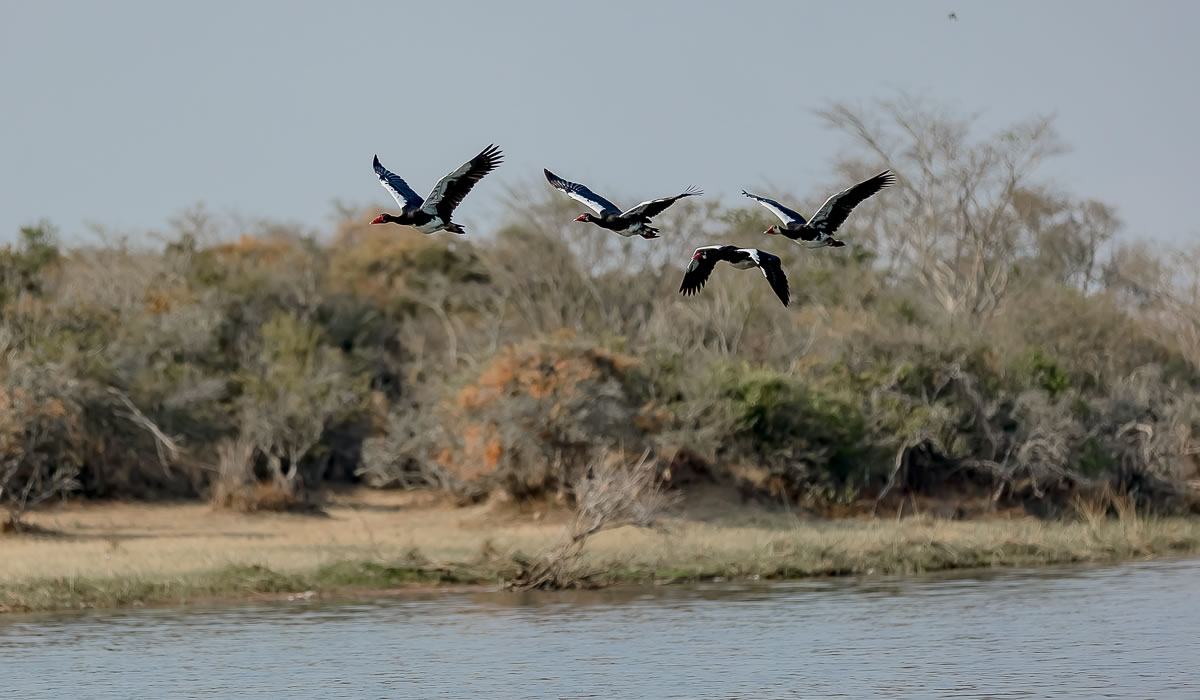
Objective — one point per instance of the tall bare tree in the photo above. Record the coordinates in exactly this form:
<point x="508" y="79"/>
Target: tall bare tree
<point x="1165" y="292"/>
<point x="953" y="224"/>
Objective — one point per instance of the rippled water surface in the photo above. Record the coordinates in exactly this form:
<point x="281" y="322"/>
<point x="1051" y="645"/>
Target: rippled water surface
<point x="1129" y="631"/>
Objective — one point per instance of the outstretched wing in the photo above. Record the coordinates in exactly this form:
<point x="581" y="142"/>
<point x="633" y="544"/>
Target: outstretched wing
<point x="581" y="193"/>
<point x="398" y="188"/>
<point x="698" y="270"/>
<point x="772" y="269"/>
<point x="448" y="193"/>
<point x="654" y="207"/>
<point x="787" y="216"/>
<point x="834" y="211"/>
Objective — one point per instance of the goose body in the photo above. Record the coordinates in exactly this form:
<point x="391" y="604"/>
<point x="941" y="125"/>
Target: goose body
<point x="634" y="221"/>
<point x="705" y="258"/>
<point x="434" y="213"/>
<point x="818" y="231"/>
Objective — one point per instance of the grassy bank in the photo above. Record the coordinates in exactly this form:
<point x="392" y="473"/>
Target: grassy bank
<point x="119" y="555"/>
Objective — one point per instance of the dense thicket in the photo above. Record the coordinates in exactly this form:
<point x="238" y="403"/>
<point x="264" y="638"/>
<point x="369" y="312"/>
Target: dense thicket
<point x="984" y="332"/>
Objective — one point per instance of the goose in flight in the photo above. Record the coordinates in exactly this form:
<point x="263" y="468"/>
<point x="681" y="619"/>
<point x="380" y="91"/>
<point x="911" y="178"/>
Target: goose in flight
<point x="631" y="222"/>
<point x="705" y="258"/>
<point x="433" y="214"/>
<point x="818" y="231"/>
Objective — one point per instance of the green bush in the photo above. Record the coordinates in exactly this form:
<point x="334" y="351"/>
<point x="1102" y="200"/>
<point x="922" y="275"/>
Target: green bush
<point x="1045" y="373"/>
<point x="21" y="266"/>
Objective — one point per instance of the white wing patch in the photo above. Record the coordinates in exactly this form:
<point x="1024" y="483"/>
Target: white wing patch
<point x="635" y="209"/>
<point x="787" y="216"/>
<point x="395" y="194"/>
<point x="397" y="187"/>
<point x="777" y="212"/>
<point x="594" y="206"/>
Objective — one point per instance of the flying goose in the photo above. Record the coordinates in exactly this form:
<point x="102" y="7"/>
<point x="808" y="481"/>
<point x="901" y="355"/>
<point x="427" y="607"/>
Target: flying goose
<point x="705" y="258"/>
<point x="818" y="231"/>
<point x="433" y="214"/>
<point x="631" y="222"/>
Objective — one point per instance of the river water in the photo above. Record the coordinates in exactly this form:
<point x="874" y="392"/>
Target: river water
<point x="1130" y="631"/>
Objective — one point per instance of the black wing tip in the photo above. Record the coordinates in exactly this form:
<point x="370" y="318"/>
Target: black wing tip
<point x="692" y="191"/>
<point x="777" y="278"/>
<point x="782" y="291"/>
<point x="557" y="182"/>
<point x="376" y="162"/>
<point x="784" y="294"/>
<point x="492" y="155"/>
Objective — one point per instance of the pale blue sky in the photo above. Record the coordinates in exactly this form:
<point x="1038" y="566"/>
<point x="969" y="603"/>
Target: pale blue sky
<point x="123" y="113"/>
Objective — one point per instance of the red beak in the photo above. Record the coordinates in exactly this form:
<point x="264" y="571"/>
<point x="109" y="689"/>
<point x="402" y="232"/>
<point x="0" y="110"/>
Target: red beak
<point x="378" y="219"/>
<point x="581" y="217"/>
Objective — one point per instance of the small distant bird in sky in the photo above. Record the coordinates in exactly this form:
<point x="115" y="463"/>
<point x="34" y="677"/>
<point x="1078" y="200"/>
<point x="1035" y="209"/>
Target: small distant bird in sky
<point x="952" y="16"/>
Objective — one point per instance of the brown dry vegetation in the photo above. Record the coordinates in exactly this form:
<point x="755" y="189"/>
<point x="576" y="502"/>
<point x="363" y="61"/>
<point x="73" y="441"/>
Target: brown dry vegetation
<point x="988" y="343"/>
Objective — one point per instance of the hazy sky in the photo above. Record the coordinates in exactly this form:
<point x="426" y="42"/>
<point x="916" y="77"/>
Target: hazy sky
<point x="123" y="113"/>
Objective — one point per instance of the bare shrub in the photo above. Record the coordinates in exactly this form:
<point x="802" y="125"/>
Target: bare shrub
<point x="612" y="493"/>
<point x="40" y="440"/>
<point x="1039" y="447"/>
<point x="406" y="456"/>
<point x="1149" y="431"/>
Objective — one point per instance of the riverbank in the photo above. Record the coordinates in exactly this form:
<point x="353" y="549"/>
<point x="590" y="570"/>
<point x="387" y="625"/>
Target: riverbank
<point x="116" y="554"/>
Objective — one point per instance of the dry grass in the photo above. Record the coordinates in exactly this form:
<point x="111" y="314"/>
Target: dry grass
<point x="165" y="540"/>
<point x="103" y="555"/>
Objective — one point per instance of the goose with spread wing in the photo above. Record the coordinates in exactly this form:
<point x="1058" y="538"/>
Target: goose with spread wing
<point x="433" y="214"/>
<point x="818" y="231"/>
<point x="705" y="258"/>
<point x="631" y="222"/>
